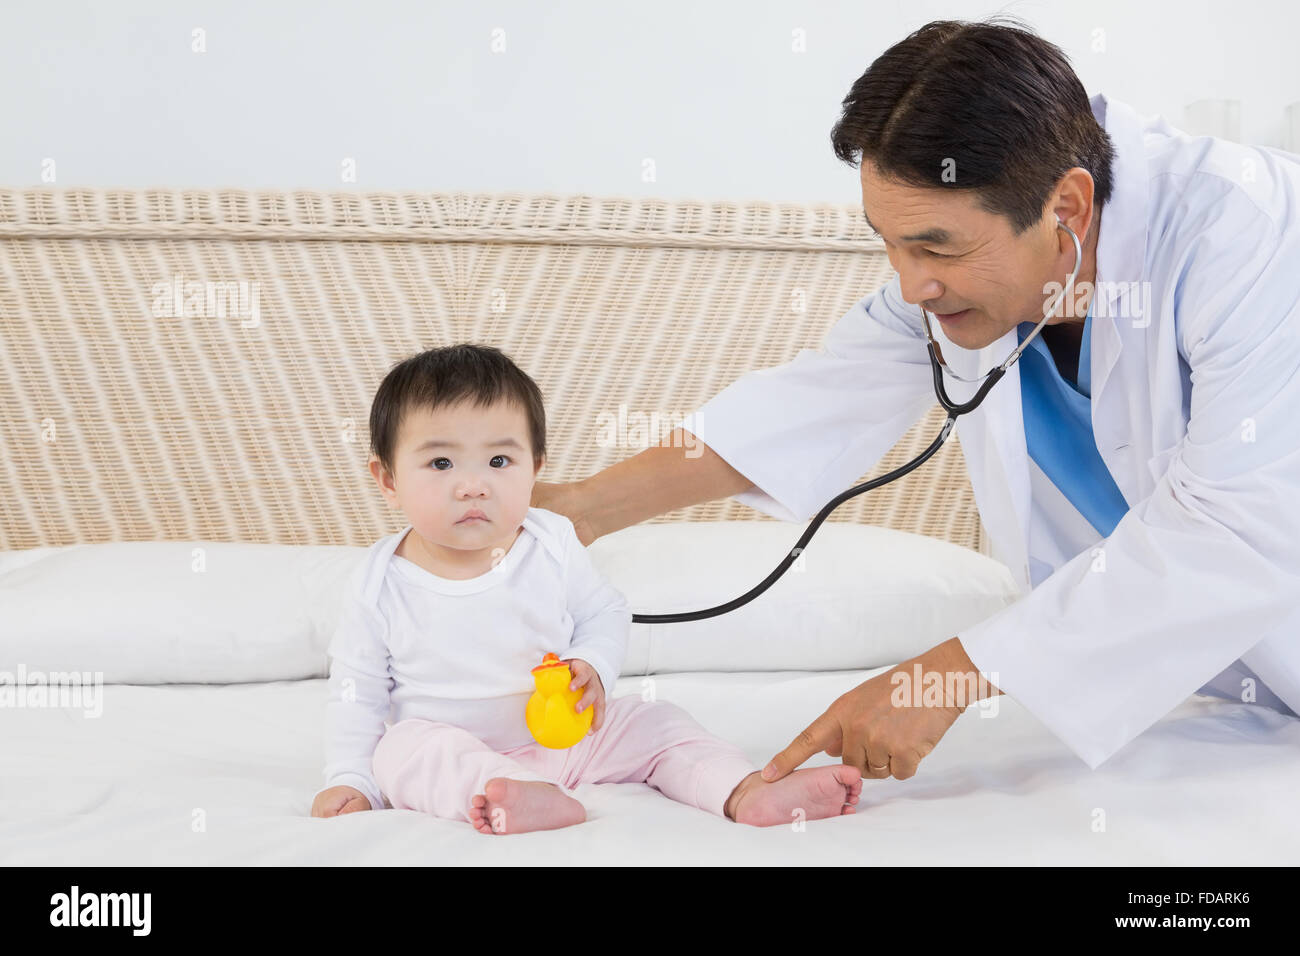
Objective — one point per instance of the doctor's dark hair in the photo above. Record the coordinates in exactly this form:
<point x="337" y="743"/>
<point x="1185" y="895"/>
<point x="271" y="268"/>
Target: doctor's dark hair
<point x="1001" y="103"/>
<point x="445" y="376"/>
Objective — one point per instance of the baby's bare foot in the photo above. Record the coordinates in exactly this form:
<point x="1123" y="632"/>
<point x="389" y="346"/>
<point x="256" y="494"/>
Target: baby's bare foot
<point x="818" y="792"/>
<point x="517" y="806"/>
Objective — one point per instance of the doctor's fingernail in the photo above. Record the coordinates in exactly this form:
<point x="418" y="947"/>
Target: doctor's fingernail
<point x="769" y="771"/>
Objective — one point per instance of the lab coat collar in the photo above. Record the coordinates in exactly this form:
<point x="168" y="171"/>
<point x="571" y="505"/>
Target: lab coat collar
<point x="1121" y="249"/>
<point x="1122" y="244"/>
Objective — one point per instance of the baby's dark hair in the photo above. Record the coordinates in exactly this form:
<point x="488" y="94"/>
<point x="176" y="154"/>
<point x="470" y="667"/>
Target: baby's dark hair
<point x="446" y="376"/>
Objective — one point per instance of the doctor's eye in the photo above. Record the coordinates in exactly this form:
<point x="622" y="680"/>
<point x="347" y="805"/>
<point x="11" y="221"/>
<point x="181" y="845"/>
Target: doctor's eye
<point x="937" y="255"/>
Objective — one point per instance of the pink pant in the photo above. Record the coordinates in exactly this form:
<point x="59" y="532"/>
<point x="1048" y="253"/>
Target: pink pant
<point x="436" y="768"/>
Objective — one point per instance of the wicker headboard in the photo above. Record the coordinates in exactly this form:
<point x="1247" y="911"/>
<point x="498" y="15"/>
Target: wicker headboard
<point x="122" y="420"/>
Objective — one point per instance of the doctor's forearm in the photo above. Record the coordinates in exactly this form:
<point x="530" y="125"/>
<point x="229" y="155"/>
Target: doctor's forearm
<point x="655" y="481"/>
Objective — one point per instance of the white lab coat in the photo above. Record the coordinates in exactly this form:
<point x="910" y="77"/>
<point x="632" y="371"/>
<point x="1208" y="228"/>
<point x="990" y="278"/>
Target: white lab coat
<point x="1194" y="408"/>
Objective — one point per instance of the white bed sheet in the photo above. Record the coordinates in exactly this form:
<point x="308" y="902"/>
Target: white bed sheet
<point x="1214" y="782"/>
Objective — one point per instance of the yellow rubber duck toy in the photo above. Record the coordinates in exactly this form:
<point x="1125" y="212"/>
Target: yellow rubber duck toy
<point x="550" y="714"/>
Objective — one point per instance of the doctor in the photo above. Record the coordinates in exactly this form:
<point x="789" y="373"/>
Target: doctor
<point x="1138" y="469"/>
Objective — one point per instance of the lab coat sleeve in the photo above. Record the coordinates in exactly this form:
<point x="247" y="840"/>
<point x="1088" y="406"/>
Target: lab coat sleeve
<point x="359" y="686"/>
<point x="602" y="618"/>
<point x="1208" y="564"/>
<point x="802" y="432"/>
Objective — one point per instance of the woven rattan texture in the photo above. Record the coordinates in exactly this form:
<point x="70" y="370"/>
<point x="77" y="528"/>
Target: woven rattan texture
<point x="136" y="406"/>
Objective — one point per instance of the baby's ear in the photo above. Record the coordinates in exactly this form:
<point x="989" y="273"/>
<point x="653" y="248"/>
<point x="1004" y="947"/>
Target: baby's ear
<point x="379" y="473"/>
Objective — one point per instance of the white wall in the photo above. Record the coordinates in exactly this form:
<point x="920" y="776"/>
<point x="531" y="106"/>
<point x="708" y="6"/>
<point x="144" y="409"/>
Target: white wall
<point x="582" y="95"/>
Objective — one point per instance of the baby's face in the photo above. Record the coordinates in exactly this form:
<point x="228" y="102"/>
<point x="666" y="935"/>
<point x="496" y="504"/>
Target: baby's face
<point x="459" y="459"/>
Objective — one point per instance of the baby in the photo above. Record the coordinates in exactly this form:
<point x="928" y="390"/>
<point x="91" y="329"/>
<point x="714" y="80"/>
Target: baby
<point x="445" y="620"/>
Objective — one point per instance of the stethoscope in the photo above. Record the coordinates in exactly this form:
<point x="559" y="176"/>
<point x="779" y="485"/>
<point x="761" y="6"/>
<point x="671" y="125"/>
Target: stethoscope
<point x="953" y="409"/>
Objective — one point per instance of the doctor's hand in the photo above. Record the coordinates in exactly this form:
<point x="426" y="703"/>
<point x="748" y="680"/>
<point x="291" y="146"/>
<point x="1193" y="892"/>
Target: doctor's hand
<point x="870" y="731"/>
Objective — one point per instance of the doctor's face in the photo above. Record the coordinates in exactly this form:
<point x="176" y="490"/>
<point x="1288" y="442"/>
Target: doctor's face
<point x="952" y="257"/>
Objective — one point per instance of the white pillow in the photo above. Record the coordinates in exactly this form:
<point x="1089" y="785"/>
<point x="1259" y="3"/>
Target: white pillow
<point x="144" y="612"/>
<point x="160" y="612"/>
<point x="865" y="597"/>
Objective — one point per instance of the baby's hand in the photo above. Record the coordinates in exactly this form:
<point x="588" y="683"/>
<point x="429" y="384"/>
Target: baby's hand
<point x="584" y="675"/>
<point x="336" y="800"/>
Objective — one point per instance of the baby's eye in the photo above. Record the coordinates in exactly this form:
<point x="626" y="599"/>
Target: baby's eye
<point x="448" y="460"/>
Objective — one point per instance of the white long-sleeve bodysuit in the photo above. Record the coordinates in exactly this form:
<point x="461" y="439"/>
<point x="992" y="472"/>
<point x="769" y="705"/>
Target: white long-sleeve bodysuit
<point x="412" y="644"/>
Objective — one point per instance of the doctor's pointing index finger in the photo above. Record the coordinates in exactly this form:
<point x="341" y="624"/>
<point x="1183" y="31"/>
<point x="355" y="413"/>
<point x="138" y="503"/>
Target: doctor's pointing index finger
<point x="869" y="729"/>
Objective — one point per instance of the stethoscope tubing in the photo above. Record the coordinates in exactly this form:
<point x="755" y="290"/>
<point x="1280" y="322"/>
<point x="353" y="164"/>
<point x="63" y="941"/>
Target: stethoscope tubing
<point x="952" y="408"/>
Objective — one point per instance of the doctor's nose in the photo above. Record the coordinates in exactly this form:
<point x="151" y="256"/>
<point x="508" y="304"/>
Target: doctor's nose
<point x="917" y="288"/>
